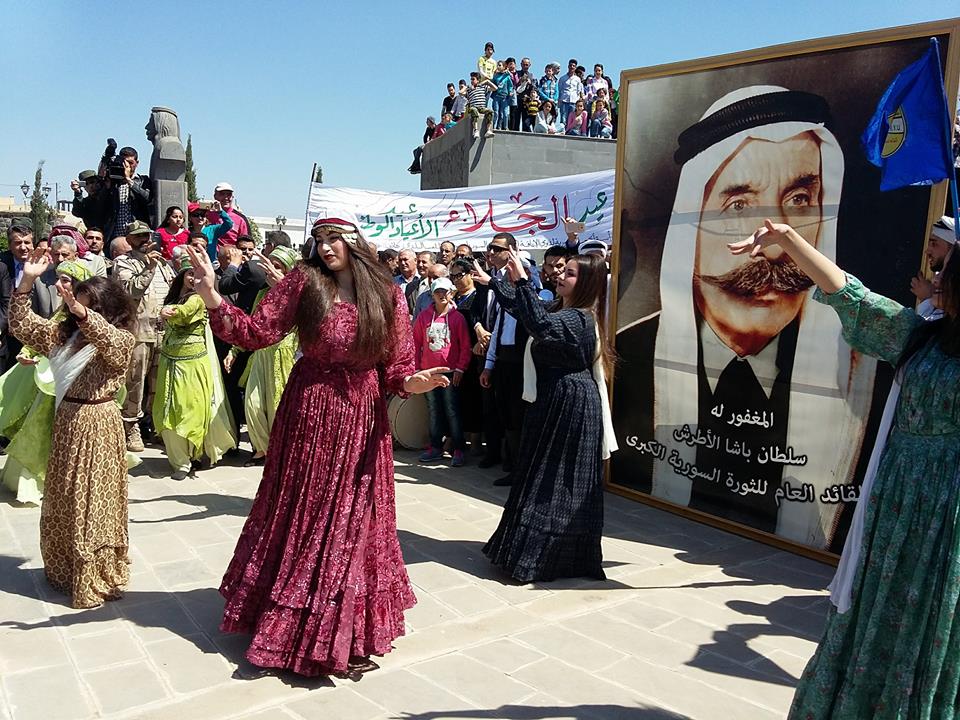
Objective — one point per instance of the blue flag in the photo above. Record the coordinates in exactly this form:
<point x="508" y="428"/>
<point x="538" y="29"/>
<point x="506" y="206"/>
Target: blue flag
<point x="906" y="137"/>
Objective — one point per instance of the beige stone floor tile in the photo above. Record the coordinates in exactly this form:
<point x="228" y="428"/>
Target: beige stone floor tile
<point x="53" y="693"/>
<point x="189" y="663"/>
<point x="403" y="691"/>
<point x="505" y="654"/>
<point x="570" y="647"/>
<point x="340" y="702"/>
<point x="469" y="600"/>
<point x="111" y="647"/>
<point x="23" y="650"/>
<point x="125" y="687"/>
<point x="465" y="677"/>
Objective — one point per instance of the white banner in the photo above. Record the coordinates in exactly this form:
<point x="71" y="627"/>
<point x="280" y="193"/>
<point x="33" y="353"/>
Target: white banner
<point x="533" y="211"/>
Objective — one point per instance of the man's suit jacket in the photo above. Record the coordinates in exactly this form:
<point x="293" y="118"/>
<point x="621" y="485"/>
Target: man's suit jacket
<point x="244" y="282"/>
<point x="44" y="300"/>
<point x="410" y="293"/>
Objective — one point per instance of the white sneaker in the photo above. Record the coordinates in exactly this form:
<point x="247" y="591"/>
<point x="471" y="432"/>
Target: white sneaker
<point x="476" y="133"/>
<point x="489" y="133"/>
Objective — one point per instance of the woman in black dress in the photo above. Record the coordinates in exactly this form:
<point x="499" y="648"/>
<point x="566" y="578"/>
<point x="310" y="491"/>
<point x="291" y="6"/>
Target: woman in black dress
<point x="553" y="520"/>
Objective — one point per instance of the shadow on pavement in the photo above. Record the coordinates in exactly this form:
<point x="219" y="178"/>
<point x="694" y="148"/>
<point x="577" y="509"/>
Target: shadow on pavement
<point x="526" y="712"/>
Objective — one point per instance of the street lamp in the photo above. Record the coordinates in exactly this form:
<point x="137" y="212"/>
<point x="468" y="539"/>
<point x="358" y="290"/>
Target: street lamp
<point x="25" y="189"/>
<point x="45" y="190"/>
<point x="281" y="221"/>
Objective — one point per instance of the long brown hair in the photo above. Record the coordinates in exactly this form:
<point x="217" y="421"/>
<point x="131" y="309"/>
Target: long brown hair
<point x="590" y="293"/>
<point x="105" y="296"/>
<point x="374" y="290"/>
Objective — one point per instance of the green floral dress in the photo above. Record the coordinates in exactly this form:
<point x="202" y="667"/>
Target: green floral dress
<point x="895" y="653"/>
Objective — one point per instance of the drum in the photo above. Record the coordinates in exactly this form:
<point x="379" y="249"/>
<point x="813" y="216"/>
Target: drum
<point x="410" y="421"/>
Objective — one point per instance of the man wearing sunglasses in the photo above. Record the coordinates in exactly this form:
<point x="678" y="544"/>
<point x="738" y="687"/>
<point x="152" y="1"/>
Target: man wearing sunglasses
<point x="503" y="368"/>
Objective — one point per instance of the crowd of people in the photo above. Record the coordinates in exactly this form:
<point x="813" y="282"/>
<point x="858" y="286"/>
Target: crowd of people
<point x="180" y="338"/>
<point x="500" y="95"/>
<point x="186" y="336"/>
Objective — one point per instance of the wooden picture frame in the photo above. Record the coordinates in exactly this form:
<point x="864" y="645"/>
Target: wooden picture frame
<point x="753" y="67"/>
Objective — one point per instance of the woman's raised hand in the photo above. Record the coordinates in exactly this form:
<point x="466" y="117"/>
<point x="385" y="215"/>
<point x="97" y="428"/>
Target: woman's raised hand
<point x="36" y="263"/>
<point x="515" y="269"/>
<point x="480" y="276"/>
<point x="426" y="380"/>
<point x="69" y="300"/>
<point x="204" y="277"/>
<point x="269" y="269"/>
<point x="770" y="234"/>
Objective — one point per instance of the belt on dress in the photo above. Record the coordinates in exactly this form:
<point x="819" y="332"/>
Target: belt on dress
<point x="86" y="401"/>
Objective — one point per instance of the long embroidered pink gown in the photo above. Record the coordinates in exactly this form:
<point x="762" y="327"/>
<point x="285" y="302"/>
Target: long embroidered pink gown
<point x="317" y="575"/>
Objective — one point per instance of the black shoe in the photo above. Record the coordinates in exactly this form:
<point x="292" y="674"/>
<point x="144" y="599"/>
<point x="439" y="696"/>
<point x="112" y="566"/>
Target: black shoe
<point x="488" y="462"/>
<point x="505" y="481"/>
<point x="508" y="466"/>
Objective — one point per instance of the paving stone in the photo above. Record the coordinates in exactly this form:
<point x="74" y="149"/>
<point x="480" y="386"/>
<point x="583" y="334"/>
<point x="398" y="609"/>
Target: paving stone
<point x="116" y="645"/>
<point x="402" y="691"/>
<point x="126" y="686"/>
<point x="673" y="690"/>
<point x="428" y="612"/>
<point x="573" y="648"/>
<point x="159" y="620"/>
<point x="189" y="663"/>
<point x="574" y="686"/>
<point x="467" y="678"/>
<point x="506" y="654"/>
<point x="161" y="547"/>
<point x="49" y="694"/>
<point x="22" y="650"/>
<point x="341" y="702"/>
<point x="469" y="600"/>
<point x="189" y="573"/>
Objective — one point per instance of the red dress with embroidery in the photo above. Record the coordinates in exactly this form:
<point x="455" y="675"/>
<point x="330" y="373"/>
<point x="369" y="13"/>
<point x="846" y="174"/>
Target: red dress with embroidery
<point x="317" y="575"/>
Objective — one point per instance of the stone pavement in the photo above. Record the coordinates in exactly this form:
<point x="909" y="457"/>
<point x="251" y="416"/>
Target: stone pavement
<point x="692" y="622"/>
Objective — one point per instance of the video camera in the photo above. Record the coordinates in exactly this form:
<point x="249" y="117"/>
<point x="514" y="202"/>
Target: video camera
<point x="112" y="162"/>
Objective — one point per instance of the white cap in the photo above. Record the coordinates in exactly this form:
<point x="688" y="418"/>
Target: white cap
<point x="592" y="246"/>
<point x="441" y="283"/>
<point x="223" y="186"/>
<point x="943" y="229"/>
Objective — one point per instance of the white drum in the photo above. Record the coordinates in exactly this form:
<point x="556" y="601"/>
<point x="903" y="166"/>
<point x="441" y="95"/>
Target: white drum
<point x="410" y="421"/>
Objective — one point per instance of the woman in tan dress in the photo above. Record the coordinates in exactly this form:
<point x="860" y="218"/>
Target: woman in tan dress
<point x="83" y="519"/>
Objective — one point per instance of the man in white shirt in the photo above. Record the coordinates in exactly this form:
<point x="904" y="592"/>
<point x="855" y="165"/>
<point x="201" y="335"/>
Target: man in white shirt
<point x="571" y="90"/>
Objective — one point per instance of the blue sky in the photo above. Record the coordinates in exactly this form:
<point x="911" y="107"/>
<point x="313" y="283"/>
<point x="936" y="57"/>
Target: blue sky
<point x="267" y="88"/>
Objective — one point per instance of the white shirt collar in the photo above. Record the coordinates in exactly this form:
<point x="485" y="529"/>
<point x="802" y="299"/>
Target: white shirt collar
<point x="716" y="357"/>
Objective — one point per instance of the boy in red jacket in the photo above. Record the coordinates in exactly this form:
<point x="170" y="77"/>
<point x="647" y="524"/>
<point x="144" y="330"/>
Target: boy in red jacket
<point x="441" y="339"/>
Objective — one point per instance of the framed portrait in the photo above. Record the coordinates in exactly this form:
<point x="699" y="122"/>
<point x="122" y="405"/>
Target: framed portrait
<point x="736" y="400"/>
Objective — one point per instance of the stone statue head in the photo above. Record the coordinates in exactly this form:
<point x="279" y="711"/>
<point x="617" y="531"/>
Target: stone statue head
<point x="163" y="123"/>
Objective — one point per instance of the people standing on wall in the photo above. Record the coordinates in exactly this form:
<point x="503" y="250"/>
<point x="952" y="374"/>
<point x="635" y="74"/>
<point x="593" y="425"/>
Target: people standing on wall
<point x="477" y="100"/>
<point x="571" y="90"/>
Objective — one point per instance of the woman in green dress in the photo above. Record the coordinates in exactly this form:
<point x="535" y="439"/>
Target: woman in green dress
<point x="266" y="374"/>
<point x="28" y="408"/>
<point x="188" y="408"/>
<point x="895" y="653"/>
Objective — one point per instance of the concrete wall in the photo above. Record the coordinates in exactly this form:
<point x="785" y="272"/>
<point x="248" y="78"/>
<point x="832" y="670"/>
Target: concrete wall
<point x="459" y="160"/>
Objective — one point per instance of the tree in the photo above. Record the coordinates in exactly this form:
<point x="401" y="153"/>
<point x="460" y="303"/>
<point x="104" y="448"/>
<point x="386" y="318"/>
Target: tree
<point x="255" y="234"/>
<point x="318" y="177"/>
<point x="191" y="175"/>
<point x="42" y="216"/>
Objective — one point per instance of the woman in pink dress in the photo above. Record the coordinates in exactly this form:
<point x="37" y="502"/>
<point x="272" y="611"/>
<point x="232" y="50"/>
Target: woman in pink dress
<point x="317" y="576"/>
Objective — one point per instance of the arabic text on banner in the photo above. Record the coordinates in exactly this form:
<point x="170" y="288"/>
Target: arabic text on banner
<point x="533" y="211"/>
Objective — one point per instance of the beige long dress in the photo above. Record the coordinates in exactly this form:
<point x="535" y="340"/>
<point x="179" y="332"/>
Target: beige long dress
<point x="83" y="519"/>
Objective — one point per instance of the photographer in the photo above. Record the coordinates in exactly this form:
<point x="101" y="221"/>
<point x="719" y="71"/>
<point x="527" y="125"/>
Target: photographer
<point x="129" y="193"/>
<point x="92" y="209"/>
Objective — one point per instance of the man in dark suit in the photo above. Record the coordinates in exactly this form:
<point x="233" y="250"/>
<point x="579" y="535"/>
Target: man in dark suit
<point x="44" y="297"/>
<point x="242" y="278"/>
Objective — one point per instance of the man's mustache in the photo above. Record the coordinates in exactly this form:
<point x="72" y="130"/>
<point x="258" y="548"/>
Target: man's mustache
<point x="759" y="277"/>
